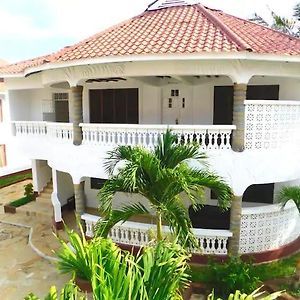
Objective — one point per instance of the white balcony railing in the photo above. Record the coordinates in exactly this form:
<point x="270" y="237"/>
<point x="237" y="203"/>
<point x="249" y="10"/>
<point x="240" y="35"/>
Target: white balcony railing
<point x="27" y="128"/>
<point x="271" y="124"/>
<point x="138" y="234"/>
<point x="60" y="131"/>
<point x="210" y="137"/>
<point x="270" y="227"/>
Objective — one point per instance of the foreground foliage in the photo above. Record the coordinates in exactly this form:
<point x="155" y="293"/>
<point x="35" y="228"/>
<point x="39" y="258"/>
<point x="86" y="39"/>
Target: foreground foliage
<point x="158" y="272"/>
<point x="238" y="295"/>
<point x="234" y="274"/>
<point x="290" y="193"/>
<point x="161" y="176"/>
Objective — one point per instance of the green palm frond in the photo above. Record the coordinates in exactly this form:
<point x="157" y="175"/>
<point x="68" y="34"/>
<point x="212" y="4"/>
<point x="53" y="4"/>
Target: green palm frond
<point x="171" y="153"/>
<point x="297" y="11"/>
<point x="212" y="181"/>
<point x="164" y="268"/>
<point x="290" y="193"/>
<point x="282" y="24"/>
<point x="103" y="226"/>
<point x="162" y="176"/>
<point x="176" y="215"/>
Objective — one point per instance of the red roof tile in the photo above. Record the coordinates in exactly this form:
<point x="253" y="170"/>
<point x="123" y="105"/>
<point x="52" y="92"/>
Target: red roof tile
<point x="181" y="29"/>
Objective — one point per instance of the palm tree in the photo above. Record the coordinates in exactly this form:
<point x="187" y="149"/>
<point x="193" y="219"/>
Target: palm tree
<point x="282" y="24"/>
<point x="290" y="193"/>
<point x="161" y="176"/>
<point x="297" y="11"/>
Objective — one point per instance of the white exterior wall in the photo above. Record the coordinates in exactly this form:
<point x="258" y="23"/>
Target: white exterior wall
<point x="65" y="187"/>
<point x="41" y="174"/>
<point x="27" y="104"/>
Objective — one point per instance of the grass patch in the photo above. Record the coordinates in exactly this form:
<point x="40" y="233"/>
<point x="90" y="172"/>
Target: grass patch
<point x="8" y="180"/>
<point x="295" y="292"/>
<point x="20" y="202"/>
<point x="283" y="268"/>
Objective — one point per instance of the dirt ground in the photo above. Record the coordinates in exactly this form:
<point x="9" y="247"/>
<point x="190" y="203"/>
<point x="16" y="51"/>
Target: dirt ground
<point x="21" y="270"/>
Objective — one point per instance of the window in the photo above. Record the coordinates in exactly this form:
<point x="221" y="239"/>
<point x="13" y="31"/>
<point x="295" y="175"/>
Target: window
<point x="60" y="96"/>
<point x="174" y="93"/>
<point x="183" y="102"/>
<point x="2" y="156"/>
<point x="97" y="183"/>
<point x="170" y="103"/>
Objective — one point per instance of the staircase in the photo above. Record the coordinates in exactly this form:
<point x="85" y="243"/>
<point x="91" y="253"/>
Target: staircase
<point x="42" y="206"/>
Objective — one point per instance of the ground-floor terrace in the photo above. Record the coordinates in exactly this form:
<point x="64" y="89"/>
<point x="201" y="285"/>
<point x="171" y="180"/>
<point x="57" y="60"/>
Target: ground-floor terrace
<point x="267" y="230"/>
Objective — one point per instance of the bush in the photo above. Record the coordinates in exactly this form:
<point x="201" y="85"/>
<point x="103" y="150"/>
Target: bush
<point x="232" y="275"/>
<point x="28" y="191"/>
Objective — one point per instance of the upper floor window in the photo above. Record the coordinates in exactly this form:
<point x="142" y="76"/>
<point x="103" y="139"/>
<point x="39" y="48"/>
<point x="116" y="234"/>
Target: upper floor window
<point x="60" y="96"/>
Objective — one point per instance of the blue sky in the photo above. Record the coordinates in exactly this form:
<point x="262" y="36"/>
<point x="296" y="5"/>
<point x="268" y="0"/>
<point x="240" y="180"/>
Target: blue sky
<point x="35" y="27"/>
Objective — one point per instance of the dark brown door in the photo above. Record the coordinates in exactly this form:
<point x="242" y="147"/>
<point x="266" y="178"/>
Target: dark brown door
<point x="119" y="106"/>
<point x="62" y="111"/>
<point x="223" y="100"/>
<point x="223" y="105"/>
<point x="263" y="92"/>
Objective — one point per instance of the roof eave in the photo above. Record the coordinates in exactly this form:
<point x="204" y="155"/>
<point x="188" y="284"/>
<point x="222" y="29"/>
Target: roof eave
<point x="159" y="57"/>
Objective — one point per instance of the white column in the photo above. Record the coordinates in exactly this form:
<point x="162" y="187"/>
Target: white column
<point x="34" y="167"/>
<point x="55" y="200"/>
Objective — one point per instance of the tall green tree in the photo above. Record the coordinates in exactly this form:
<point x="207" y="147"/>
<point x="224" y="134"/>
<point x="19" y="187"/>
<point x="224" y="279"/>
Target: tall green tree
<point x="161" y="176"/>
<point x="289" y="26"/>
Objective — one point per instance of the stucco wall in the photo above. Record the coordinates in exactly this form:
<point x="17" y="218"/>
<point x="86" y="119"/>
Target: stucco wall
<point x="65" y="187"/>
<point x="41" y="174"/>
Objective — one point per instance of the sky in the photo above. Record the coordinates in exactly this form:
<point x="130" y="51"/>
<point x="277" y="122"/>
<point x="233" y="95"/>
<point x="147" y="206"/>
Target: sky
<point x="30" y="28"/>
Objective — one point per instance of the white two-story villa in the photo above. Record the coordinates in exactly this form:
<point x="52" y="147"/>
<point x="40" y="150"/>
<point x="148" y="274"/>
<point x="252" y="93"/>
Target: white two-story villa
<point x="229" y="84"/>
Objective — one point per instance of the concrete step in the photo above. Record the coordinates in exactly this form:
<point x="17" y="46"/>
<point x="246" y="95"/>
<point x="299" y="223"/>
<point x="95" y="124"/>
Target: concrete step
<point x="47" y="191"/>
<point x="36" y="209"/>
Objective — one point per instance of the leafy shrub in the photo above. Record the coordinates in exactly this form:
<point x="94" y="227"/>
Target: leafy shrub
<point x="28" y="191"/>
<point x="233" y="275"/>
<point x="74" y="258"/>
<point x="254" y="295"/>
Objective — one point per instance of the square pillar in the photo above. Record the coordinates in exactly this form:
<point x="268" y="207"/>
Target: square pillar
<point x="76" y="113"/>
<point x="238" y="137"/>
<point x="58" y="223"/>
<point x="235" y="225"/>
<point x="80" y="202"/>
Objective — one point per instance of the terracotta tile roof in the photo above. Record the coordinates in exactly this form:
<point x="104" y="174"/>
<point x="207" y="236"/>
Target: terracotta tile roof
<point x="23" y="65"/>
<point x="183" y="29"/>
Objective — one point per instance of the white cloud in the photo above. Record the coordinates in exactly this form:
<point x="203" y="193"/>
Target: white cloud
<point x="17" y="26"/>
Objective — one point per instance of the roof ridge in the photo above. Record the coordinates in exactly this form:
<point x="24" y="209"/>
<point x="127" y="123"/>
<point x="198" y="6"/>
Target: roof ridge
<point x="231" y="34"/>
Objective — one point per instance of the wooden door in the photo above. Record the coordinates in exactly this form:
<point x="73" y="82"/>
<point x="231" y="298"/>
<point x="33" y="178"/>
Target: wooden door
<point x="118" y="106"/>
<point x="223" y="105"/>
<point x="62" y="111"/>
<point x="263" y="92"/>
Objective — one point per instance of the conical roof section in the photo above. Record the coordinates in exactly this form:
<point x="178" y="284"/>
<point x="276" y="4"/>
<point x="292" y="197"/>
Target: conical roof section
<point x="168" y="30"/>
